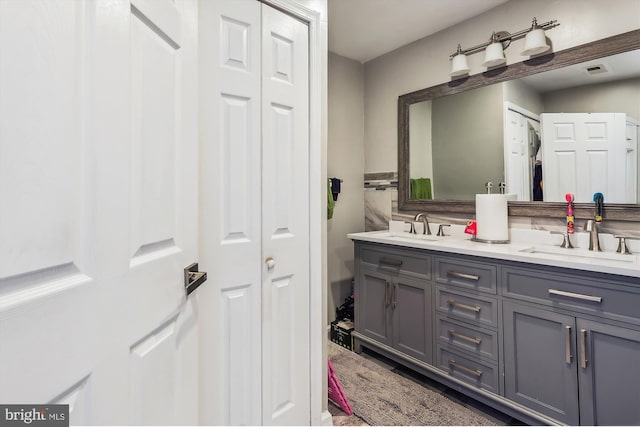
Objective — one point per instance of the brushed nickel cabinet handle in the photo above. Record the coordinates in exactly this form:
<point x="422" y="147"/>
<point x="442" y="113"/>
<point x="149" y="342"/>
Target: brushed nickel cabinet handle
<point x="395" y="298"/>
<point x="574" y="295"/>
<point x="387" y="294"/>
<point x="455" y="334"/>
<point x="583" y="348"/>
<point x="391" y="262"/>
<point x="567" y="344"/>
<point x="456" y="365"/>
<point x="463" y="275"/>
<point x="465" y="306"/>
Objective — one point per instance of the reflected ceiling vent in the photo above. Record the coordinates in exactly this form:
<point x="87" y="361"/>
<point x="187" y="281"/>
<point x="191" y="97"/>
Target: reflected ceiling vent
<point x="596" y="69"/>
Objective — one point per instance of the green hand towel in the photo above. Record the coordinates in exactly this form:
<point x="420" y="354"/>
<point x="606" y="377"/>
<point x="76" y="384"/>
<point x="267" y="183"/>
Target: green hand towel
<point x="420" y="189"/>
<point x="330" y="202"/>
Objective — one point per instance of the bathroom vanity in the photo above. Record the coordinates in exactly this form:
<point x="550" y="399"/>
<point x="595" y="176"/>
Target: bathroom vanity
<point x="543" y="334"/>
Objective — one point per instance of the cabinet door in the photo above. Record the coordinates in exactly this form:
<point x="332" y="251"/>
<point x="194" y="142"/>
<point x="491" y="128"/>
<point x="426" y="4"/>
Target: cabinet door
<point x="411" y="318"/>
<point x="540" y="372"/>
<point x="373" y="297"/>
<point x="609" y="374"/>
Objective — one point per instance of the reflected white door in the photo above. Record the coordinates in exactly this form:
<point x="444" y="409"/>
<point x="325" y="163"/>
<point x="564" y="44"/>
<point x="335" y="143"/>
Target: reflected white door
<point x="632" y="162"/>
<point x="285" y="219"/>
<point x="517" y="173"/>
<point x="584" y="153"/>
<point x="98" y="186"/>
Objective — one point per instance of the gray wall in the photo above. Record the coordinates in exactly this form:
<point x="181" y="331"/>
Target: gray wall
<point x="345" y="160"/>
<point x="597" y="98"/>
<point x="521" y="94"/>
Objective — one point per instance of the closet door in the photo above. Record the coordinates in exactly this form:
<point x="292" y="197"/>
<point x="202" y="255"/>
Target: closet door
<point x="254" y="215"/>
<point x="98" y="147"/>
<point x="285" y="219"/>
<point x="230" y="212"/>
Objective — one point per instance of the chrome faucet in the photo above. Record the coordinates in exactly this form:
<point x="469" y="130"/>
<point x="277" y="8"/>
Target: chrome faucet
<point x="423" y="216"/>
<point x="594" y="241"/>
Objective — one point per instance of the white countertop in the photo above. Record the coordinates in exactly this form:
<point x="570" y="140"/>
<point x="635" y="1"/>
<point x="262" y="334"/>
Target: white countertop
<point x="531" y="246"/>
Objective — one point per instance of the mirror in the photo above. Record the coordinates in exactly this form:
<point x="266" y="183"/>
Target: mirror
<point x="470" y="161"/>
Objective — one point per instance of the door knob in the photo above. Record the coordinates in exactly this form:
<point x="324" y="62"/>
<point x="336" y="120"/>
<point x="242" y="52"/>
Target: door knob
<point x="270" y="262"/>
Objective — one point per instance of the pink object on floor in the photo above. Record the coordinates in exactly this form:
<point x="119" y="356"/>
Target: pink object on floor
<point x="335" y="391"/>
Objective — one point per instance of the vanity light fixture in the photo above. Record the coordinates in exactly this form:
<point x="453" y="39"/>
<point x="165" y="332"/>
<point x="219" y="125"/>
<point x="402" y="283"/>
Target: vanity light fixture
<point x="535" y="43"/>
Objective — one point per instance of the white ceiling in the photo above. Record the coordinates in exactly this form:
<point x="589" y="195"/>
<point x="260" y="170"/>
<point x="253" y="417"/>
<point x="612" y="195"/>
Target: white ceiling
<point x="365" y="29"/>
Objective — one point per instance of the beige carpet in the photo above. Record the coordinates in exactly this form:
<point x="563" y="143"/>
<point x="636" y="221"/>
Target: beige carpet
<point x="382" y="397"/>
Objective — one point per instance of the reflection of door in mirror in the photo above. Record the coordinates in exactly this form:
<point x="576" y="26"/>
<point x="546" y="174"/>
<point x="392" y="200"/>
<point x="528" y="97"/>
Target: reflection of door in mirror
<point x="523" y="163"/>
<point x="585" y="153"/>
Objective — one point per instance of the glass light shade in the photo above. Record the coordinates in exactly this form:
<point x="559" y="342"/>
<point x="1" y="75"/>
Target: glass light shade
<point x="459" y="65"/>
<point x="535" y="42"/>
<point x="494" y="55"/>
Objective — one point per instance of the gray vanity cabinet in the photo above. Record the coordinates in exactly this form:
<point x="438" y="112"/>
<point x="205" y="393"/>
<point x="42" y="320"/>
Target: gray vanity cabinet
<point x="394" y="298"/>
<point x="563" y="361"/>
<point x="545" y="344"/>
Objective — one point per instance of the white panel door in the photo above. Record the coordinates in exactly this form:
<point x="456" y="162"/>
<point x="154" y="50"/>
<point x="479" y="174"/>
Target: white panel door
<point x="285" y="219"/>
<point x="254" y="204"/>
<point x="231" y="211"/>
<point x="583" y="154"/>
<point x="98" y="185"/>
<point x="517" y="172"/>
<point x="631" y="161"/>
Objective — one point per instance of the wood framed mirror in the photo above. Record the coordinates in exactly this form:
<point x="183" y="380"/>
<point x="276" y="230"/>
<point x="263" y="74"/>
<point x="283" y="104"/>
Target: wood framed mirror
<point x="625" y="42"/>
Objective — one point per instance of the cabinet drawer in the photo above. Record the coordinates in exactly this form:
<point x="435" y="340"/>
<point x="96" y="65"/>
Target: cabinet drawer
<point x="467" y="274"/>
<point x="475" y="309"/>
<point x="398" y="261"/>
<point x="608" y="298"/>
<point x="472" y="371"/>
<point x="455" y="335"/>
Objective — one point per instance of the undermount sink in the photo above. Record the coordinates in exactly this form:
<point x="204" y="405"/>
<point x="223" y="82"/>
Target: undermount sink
<point x="404" y="236"/>
<point x="582" y="254"/>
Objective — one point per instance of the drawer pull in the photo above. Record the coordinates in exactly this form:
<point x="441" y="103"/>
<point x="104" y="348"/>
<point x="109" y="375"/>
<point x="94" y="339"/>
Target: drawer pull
<point x="455" y="334"/>
<point x="456" y="365"/>
<point x="576" y="296"/>
<point x="465" y="306"/>
<point x="390" y="261"/>
<point x="463" y="275"/>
